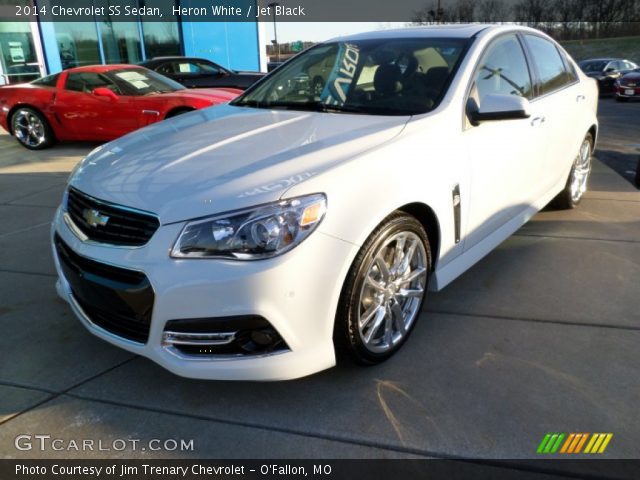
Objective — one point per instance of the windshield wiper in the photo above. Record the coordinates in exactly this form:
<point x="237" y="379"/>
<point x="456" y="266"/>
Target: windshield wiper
<point x="324" y="107"/>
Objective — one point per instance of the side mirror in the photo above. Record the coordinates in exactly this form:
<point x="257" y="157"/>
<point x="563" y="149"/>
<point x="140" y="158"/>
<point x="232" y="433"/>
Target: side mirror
<point x="610" y="70"/>
<point x="105" y="92"/>
<point x="496" y="106"/>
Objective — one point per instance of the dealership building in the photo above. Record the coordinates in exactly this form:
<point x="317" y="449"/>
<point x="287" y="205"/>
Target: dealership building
<point x="30" y="49"/>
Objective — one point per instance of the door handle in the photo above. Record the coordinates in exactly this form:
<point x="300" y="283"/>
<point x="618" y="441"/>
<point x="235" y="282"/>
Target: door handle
<point x="580" y="98"/>
<point x="537" y="121"/>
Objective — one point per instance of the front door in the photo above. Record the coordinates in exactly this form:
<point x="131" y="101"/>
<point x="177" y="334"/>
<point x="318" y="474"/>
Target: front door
<point x="93" y="117"/>
<point x="501" y="152"/>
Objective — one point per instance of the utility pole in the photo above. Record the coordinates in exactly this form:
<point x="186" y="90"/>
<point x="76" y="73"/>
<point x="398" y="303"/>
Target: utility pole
<point x="273" y="6"/>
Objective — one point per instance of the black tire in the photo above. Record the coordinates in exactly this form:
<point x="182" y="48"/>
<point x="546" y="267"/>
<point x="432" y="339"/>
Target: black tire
<point x="178" y="111"/>
<point x="347" y="335"/>
<point x="22" y="123"/>
<point x="565" y="200"/>
<point x="621" y="99"/>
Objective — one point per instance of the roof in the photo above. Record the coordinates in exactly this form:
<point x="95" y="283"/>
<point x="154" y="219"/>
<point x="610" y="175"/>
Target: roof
<point x="102" y="68"/>
<point x="434" y="31"/>
<point x="174" y="57"/>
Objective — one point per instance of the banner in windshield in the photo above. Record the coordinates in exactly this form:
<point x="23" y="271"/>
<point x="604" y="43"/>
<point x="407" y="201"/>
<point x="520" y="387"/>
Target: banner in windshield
<point x="342" y="75"/>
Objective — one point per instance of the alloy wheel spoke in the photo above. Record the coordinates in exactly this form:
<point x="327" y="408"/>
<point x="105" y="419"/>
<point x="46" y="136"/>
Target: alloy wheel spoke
<point x="369" y="314"/>
<point x="398" y="316"/>
<point x="398" y="253"/>
<point x="382" y="267"/>
<point x="409" y="277"/>
<point x="379" y="317"/>
<point x="377" y="286"/>
<point x="410" y="293"/>
<point x="388" y="329"/>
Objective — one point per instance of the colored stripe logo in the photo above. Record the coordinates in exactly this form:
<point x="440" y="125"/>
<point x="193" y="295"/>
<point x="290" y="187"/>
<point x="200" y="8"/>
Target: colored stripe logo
<point x="574" y="443"/>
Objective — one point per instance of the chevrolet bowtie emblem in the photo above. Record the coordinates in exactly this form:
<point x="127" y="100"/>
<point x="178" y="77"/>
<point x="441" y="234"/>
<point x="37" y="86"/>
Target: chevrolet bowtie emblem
<point x="94" y="217"/>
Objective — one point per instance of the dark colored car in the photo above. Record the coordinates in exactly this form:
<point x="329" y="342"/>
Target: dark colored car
<point x="628" y="86"/>
<point x="201" y="73"/>
<point x="606" y="71"/>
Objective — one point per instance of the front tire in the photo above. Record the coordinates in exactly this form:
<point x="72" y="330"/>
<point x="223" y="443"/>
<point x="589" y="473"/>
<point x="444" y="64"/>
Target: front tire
<point x="576" y="184"/>
<point x="384" y="291"/>
<point x="31" y="129"/>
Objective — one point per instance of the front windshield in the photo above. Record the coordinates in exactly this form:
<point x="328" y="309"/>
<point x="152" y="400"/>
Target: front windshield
<point x="592" y="66"/>
<point x="140" y="81"/>
<point x="383" y="76"/>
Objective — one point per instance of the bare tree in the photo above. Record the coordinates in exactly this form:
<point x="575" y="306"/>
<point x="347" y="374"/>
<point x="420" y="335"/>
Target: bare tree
<point x="464" y="11"/>
<point x="492" y="11"/>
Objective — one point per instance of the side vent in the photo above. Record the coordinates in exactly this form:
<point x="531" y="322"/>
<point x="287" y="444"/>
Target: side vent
<point x="455" y="198"/>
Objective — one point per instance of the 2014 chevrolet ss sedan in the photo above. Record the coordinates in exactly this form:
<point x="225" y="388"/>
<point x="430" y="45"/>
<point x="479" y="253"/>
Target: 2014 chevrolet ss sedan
<point x="262" y="239"/>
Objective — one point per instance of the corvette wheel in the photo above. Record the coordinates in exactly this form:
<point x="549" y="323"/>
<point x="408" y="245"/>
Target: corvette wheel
<point x="384" y="291"/>
<point x="31" y="129"/>
<point x="578" y="177"/>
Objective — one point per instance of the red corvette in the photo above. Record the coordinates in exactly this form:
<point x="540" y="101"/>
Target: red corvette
<point x="96" y="103"/>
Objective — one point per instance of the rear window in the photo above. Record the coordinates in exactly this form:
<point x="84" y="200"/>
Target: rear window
<point x="48" y="81"/>
<point x="552" y="74"/>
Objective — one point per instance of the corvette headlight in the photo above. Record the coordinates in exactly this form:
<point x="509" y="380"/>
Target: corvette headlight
<point x="260" y="232"/>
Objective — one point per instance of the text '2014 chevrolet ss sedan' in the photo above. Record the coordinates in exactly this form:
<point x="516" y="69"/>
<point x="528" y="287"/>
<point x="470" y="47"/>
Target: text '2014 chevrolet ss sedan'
<point x="257" y="240"/>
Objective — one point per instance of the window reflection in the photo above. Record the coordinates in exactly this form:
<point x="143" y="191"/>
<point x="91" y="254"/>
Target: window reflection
<point x="77" y="44"/>
<point x="121" y="42"/>
<point x="160" y="38"/>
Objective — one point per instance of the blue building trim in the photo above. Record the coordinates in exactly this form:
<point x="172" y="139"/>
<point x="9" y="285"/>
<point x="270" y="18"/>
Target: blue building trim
<point x="50" y="47"/>
<point x="230" y="44"/>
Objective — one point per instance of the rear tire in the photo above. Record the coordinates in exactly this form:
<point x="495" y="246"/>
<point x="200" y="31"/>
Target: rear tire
<point x="576" y="184"/>
<point x="384" y="291"/>
<point x="31" y="129"/>
<point x="621" y="99"/>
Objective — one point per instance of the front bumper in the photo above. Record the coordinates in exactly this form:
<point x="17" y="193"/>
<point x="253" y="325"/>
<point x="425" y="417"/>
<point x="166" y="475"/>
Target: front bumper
<point x="297" y="293"/>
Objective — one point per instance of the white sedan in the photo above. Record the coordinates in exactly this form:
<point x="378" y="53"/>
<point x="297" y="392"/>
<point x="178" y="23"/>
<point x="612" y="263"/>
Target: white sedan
<point x="311" y="216"/>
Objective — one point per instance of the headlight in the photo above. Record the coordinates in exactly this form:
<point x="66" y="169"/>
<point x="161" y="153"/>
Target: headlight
<point x="260" y="232"/>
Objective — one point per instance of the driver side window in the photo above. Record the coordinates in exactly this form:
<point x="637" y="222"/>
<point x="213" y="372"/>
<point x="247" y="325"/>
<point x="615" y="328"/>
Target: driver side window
<point x="87" y="82"/>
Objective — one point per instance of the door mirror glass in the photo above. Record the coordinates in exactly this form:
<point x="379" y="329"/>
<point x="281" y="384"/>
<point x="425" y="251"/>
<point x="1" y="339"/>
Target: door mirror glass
<point x="495" y="106"/>
<point x="610" y="70"/>
<point x="105" y="92"/>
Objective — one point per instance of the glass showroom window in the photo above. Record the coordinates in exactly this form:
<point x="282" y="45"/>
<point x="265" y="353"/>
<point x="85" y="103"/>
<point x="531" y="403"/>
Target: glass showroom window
<point x="77" y="43"/>
<point x="160" y="38"/>
<point x="18" y="57"/>
<point x="121" y="42"/>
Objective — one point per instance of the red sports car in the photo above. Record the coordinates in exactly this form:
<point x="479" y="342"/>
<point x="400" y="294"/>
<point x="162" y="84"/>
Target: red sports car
<point x="96" y="103"/>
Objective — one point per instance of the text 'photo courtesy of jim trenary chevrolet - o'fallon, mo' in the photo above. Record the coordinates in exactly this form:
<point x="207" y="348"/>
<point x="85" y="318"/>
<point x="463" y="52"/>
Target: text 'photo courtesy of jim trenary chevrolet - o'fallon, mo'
<point x="319" y="239"/>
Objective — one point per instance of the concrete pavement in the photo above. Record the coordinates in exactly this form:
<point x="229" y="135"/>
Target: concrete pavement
<point x="540" y="336"/>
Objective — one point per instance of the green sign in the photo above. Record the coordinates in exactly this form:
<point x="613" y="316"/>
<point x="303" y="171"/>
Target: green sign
<point x="297" y="46"/>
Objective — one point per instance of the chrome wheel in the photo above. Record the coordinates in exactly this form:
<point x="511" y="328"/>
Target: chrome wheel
<point x="29" y="128"/>
<point x="581" y="170"/>
<point x="392" y="291"/>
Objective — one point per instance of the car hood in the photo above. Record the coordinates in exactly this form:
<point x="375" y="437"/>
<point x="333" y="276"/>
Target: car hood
<point x="634" y="77"/>
<point x="216" y="94"/>
<point x="225" y="158"/>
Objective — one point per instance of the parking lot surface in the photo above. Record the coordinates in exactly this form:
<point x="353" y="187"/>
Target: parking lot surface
<point x="540" y="336"/>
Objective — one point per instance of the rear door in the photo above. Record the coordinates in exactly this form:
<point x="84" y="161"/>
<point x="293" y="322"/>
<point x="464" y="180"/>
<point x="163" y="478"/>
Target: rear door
<point x="560" y="97"/>
<point x="504" y="155"/>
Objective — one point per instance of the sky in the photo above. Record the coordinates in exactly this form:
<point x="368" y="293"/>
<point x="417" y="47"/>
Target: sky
<point x="319" y="31"/>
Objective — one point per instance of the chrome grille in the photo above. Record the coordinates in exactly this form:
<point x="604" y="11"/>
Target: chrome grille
<point x="105" y="222"/>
